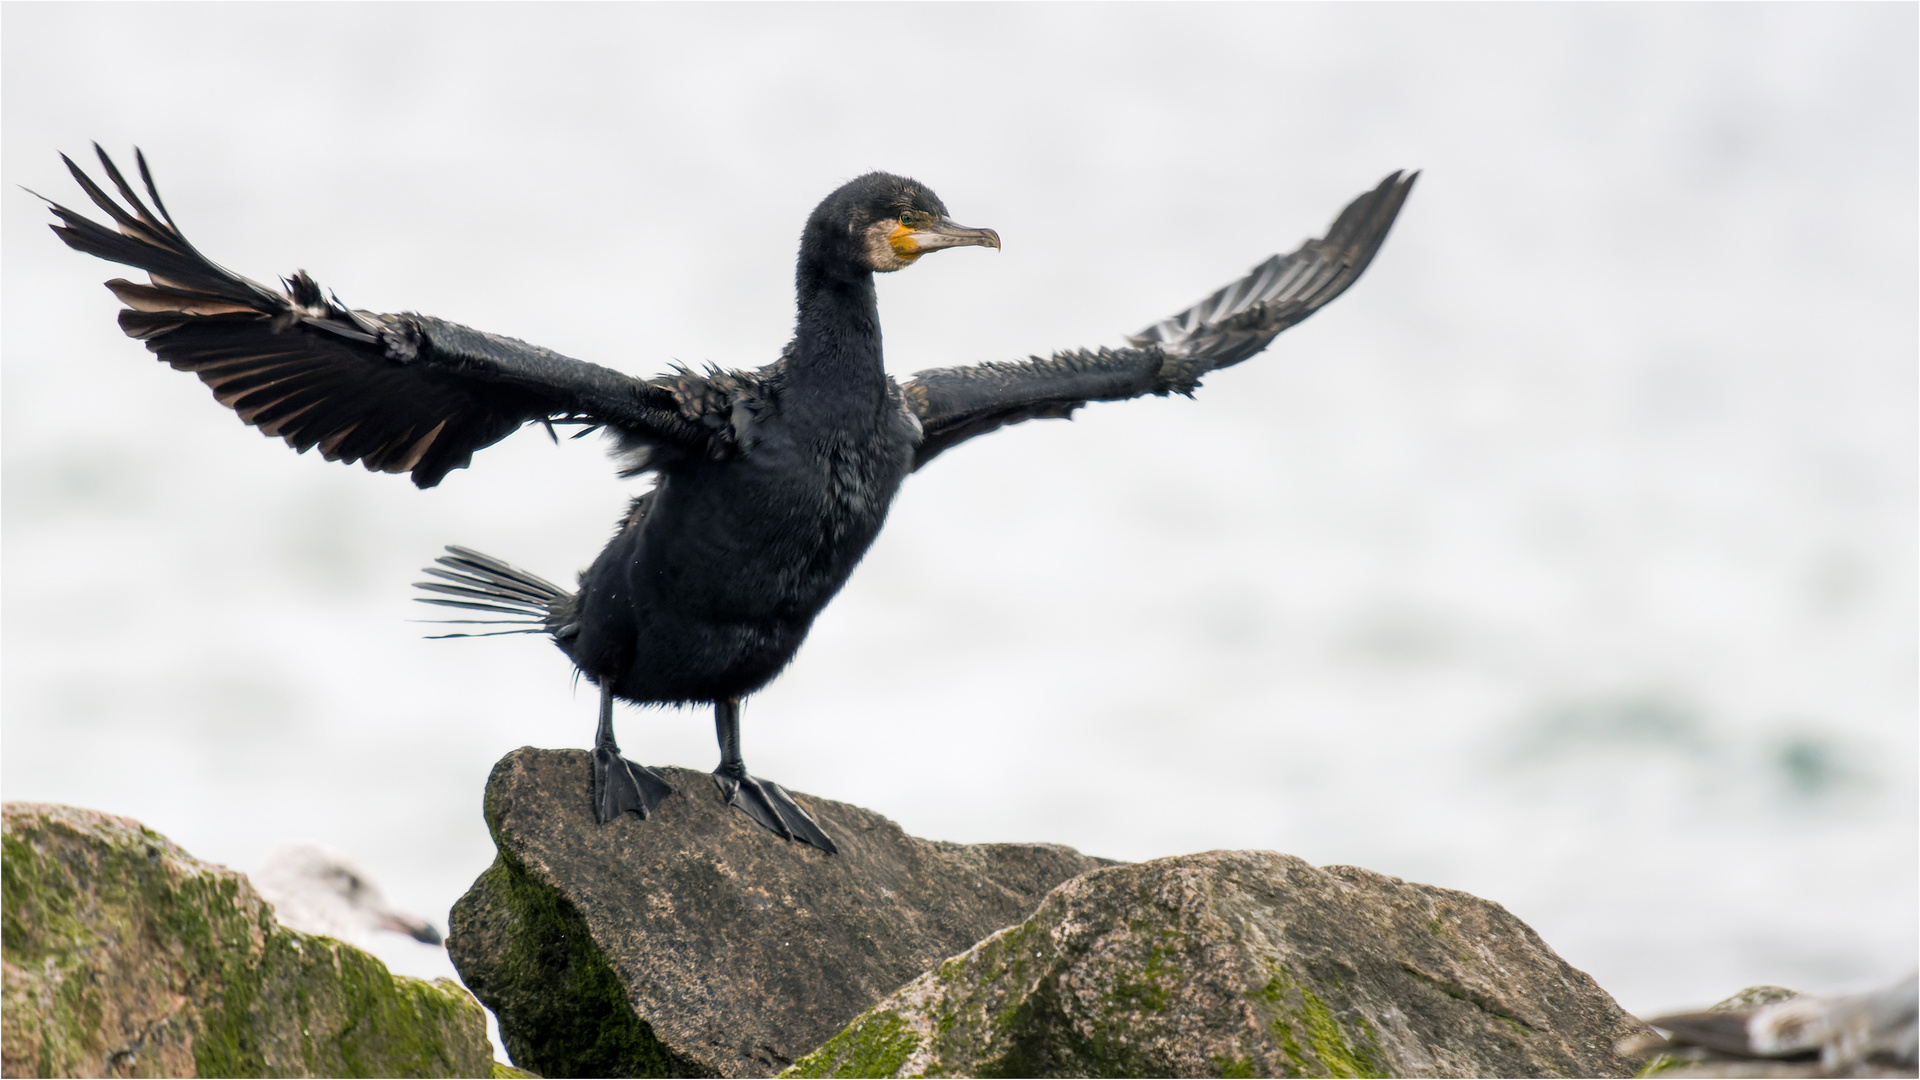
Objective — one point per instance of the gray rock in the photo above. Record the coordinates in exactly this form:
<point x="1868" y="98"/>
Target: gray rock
<point x="126" y="956"/>
<point x="1753" y="997"/>
<point x="696" y="943"/>
<point x="1243" y="964"/>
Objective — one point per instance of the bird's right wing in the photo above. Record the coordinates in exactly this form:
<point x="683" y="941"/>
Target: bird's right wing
<point x="955" y="404"/>
<point x="400" y="393"/>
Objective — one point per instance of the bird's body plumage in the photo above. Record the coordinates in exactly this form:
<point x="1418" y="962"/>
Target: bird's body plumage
<point x="770" y="486"/>
<point x="716" y="574"/>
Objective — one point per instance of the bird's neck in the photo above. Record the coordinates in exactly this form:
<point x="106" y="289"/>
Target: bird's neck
<point x="837" y="337"/>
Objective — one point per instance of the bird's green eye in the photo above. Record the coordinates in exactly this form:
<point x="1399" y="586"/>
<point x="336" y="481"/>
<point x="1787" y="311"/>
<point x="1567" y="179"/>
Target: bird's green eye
<point x="912" y="218"/>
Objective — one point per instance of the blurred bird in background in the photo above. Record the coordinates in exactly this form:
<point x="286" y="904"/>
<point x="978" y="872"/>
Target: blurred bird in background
<point x="1769" y="1031"/>
<point x="317" y="890"/>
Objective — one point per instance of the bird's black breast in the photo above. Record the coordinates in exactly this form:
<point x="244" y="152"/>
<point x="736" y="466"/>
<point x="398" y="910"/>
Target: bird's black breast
<point x="716" y="583"/>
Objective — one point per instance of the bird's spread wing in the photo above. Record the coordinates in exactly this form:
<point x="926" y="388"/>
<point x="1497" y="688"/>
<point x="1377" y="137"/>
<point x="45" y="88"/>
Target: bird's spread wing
<point x="955" y="404"/>
<point x="399" y="393"/>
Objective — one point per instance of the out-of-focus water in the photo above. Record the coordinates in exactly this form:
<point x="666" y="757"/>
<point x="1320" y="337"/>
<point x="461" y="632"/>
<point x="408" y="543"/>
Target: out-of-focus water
<point x="1567" y="560"/>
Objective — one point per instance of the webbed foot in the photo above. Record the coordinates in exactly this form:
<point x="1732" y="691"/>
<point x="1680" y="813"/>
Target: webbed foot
<point x="619" y="786"/>
<point x="769" y="804"/>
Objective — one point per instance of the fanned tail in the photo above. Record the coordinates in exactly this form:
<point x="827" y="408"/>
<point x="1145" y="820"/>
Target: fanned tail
<point x="516" y="598"/>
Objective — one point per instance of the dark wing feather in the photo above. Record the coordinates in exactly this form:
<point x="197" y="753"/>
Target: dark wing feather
<point x="956" y="404"/>
<point x="398" y="393"/>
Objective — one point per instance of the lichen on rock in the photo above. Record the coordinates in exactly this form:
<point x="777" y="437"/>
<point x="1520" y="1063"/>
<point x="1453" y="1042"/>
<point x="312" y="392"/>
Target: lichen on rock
<point x="126" y="956"/>
<point x="1242" y="964"/>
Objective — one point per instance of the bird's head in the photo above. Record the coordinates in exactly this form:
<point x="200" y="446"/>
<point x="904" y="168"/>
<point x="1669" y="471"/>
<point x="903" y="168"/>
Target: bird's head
<point x="880" y="222"/>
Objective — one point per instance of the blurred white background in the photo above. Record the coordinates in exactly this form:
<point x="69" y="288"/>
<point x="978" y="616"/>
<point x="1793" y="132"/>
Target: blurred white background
<point x="1569" y="559"/>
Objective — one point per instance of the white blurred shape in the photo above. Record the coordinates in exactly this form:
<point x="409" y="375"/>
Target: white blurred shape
<point x="317" y="890"/>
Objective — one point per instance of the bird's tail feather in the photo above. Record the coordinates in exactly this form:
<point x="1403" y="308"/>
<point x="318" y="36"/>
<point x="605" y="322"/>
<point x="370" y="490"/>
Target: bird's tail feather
<point x="525" y="602"/>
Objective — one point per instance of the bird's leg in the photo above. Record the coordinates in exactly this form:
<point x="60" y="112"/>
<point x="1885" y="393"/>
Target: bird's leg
<point x="763" y="800"/>
<point x="618" y="784"/>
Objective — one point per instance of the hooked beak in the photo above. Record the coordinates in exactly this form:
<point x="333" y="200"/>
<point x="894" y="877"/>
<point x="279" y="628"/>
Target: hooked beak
<point x="910" y="243"/>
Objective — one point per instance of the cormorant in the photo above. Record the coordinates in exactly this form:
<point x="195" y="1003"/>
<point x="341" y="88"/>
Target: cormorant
<point x="770" y="484"/>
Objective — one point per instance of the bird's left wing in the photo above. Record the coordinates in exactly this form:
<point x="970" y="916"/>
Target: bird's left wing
<point x="400" y="393"/>
<point x="955" y="404"/>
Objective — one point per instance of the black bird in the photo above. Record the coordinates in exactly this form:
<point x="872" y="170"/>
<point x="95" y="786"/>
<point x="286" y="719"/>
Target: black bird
<point x="770" y="484"/>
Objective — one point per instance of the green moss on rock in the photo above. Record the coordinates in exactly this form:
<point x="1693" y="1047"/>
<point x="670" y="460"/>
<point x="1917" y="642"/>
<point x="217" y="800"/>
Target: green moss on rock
<point x="877" y="1044"/>
<point x="1661" y="1065"/>
<point x="695" y="942"/>
<point x="1233" y="1067"/>
<point x="1329" y="1050"/>
<point x="125" y="955"/>
<point x="563" y="1009"/>
<point x="1242" y="964"/>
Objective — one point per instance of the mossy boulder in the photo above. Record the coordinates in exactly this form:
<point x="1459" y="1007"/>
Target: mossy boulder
<point x="1243" y="964"/>
<point x="126" y="956"/>
<point x="696" y="943"/>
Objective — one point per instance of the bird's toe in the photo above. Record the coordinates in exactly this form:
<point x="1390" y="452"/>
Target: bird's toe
<point x="768" y="804"/>
<point x="620" y="785"/>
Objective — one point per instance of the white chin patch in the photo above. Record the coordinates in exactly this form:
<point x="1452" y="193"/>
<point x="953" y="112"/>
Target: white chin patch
<point x="880" y="254"/>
